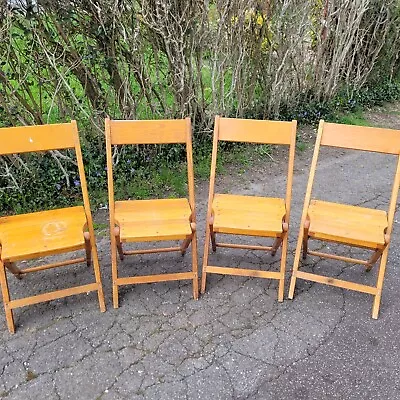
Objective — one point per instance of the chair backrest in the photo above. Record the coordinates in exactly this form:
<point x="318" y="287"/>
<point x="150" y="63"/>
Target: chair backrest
<point x="39" y="138"/>
<point x="254" y="131"/>
<point x="24" y="139"/>
<point x="149" y="132"/>
<point x="362" y="138"/>
<point x="259" y="132"/>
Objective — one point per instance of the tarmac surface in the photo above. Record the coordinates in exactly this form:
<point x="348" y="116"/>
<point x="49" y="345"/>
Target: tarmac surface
<point x="236" y="341"/>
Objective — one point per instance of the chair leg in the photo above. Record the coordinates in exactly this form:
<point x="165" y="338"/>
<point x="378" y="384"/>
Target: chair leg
<point x="205" y="259"/>
<point x="281" y="288"/>
<point x="213" y="239"/>
<point x="379" y="285"/>
<point x="114" y="270"/>
<point x="374" y="258"/>
<point x="276" y="245"/>
<point x="12" y="267"/>
<point x="378" y="253"/>
<point x="305" y="247"/>
<point x="118" y="243"/>
<point x="186" y="244"/>
<point x="97" y="273"/>
<point x="278" y="240"/>
<point x="194" y="263"/>
<point x="6" y="298"/>
<point x="88" y="249"/>
<point x="212" y="235"/>
<point x="305" y="238"/>
<point x="296" y="263"/>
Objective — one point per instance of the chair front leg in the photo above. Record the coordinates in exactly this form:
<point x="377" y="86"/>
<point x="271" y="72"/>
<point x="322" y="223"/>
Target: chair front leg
<point x="281" y="288"/>
<point x="114" y="269"/>
<point x="212" y="236"/>
<point x="205" y="259"/>
<point x="377" y="253"/>
<point x="279" y="239"/>
<point x="12" y="267"/>
<point x="186" y="244"/>
<point x="118" y="243"/>
<point x="213" y="239"/>
<point x="92" y="255"/>
<point x="88" y="249"/>
<point x="305" y="238"/>
<point x="6" y="298"/>
<point x="379" y="285"/>
<point x="374" y="258"/>
<point x="296" y="263"/>
<point x="194" y="262"/>
<point x="276" y="245"/>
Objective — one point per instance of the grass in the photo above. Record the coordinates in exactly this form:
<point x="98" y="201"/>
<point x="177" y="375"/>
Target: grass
<point x="101" y="228"/>
<point x="301" y="146"/>
<point x="354" y="118"/>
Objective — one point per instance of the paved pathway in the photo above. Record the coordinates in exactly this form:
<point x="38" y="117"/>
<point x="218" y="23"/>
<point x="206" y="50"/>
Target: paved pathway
<point x="236" y="342"/>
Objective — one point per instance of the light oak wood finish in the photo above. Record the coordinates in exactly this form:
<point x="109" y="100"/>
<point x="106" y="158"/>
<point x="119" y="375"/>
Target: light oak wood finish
<point x="46" y="233"/>
<point x="151" y="220"/>
<point x="52" y="265"/>
<point x="243" y="272"/>
<point x="365" y="138"/>
<point x="357" y="226"/>
<point x="255" y="131"/>
<point x="25" y="139"/>
<point x="347" y="224"/>
<point x="244" y="246"/>
<point x="249" y="215"/>
<point x="149" y="132"/>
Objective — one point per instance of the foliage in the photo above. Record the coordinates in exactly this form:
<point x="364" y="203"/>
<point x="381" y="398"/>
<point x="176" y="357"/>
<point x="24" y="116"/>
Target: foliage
<point x="347" y="100"/>
<point x="144" y="59"/>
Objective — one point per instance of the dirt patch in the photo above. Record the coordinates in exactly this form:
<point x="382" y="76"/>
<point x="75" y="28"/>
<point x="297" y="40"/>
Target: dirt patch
<point x="386" y="116"/>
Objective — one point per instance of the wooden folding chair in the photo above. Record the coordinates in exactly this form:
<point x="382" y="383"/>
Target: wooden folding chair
<point x="46" y="233"/>
<point x="346" y="224"/>
<point x="151" y="220"/>
<point x="250" y="215"/>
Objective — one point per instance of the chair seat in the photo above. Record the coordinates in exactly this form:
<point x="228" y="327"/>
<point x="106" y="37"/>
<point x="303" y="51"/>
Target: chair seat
<point x="152" y="220"/>
<point x="342" y="223"/>
<point x="42" y="233"/>
<point x="248" y="215"/>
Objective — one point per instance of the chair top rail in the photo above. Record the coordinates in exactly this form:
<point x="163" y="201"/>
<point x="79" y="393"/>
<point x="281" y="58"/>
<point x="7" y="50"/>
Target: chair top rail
<point x="255" y="131"/>
<point x="25" y="139"/>
<point x="148" y="131"/>
<point x="364" y="138"/>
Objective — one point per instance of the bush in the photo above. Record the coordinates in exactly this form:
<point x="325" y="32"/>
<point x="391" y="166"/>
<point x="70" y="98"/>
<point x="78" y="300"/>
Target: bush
<point x="148" y="59"/>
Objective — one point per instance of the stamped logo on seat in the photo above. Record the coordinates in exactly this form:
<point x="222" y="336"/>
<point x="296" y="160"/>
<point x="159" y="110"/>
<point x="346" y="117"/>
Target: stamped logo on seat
<point x="54" y="228"/>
